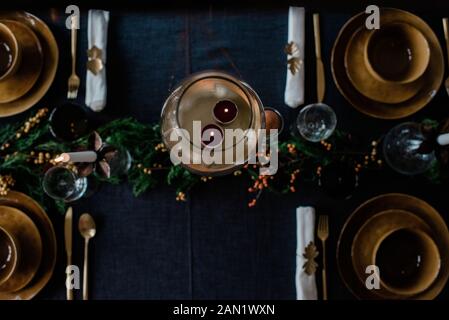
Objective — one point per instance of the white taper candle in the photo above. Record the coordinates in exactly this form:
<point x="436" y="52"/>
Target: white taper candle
<point x="82" y="156"/>
<point x="443" y="139"/>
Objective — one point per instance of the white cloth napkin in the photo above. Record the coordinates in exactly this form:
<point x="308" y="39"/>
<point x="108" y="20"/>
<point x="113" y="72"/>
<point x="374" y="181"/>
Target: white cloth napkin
<point x="97" y="35"/>
<point x="294" y="87"/>
<point x="305" y="231"/>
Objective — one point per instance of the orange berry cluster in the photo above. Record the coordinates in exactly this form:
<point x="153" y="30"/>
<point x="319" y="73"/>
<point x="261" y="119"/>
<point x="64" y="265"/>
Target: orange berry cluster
<point x="370" y="158"/>
<point x="326" y="145"/>
<point x="260" y="183"/>
<point x="181" y="196"/>
<point x="293" y="177"/>
<point x="252" y="203"/>
<point x="291" y="148"/>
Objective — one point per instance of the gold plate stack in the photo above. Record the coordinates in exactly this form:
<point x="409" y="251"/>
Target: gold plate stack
<point x="28" y="61"/>
<point x="389" y="73"/>
<point x="405" y="238"/>
<point x="27" y="247"/>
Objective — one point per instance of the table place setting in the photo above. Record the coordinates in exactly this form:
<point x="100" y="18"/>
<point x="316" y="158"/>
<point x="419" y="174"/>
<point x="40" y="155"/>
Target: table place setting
<point x="372" y="68"/>
<point x="405" y="237"/>
<point x="56" y="159"/>
<point x="34" y="59"/>
<point x="27" y="247"/>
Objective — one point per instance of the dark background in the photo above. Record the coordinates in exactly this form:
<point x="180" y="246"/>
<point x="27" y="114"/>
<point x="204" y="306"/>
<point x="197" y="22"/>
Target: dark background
<point x="213" y="246"/>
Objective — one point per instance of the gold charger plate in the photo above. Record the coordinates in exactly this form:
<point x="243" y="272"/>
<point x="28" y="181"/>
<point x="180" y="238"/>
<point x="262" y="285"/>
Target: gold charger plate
<point x="30" y="67"/>
<point x="362" y="79"/>
<point x="42" y="221"/>
<point x="421" y="209"/>
<point x="376" y="227"/>
<point x="30" y="243"/>
<point x="431" y="80"/>
<point x="51" y="57"/>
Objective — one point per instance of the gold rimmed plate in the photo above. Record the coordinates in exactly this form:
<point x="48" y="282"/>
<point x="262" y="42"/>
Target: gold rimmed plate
<point x="432" y="78"/>
<point x="31" y="63"/>
<point x="35" y="212"/>
<point x="50" y="64"/>
<point x="19" y="224"/>
<point x="362" y="79"/>
<point x="372" y="233"/>
<point x="439" y="233"/>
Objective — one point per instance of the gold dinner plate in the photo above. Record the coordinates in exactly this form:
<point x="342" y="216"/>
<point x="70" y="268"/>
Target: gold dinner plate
<point x="19" y="224"/>
<point x="30" y="66"/>
<point x="362" y="79"/>
<point x="51" y="55"/>
<point x="422" y="210"/>
<point x="372" y="232"/>
<point x="43" y="223"/>
<point x="431" y="80"/>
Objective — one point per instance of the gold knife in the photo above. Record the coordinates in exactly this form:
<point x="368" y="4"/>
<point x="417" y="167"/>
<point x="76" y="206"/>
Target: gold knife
<point x="68" y="246"/>
<point x="446" y="37"/>
<point x="320" y="80"/>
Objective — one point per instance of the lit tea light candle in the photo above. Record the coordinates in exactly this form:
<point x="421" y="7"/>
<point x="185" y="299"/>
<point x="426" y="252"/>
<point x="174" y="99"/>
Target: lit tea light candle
<point x="82" y="156"/>
<point x="211" y="136"/>
<point x="225" y="111"/>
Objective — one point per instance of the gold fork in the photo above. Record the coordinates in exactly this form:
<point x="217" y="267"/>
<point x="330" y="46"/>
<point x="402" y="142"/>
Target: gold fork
<point x="74" y="80"/>
<point x="323" y="234"/>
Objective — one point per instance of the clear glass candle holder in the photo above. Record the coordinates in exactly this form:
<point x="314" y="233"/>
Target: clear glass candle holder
<point x="63" y="183"/>
<point x="316" y="122"/>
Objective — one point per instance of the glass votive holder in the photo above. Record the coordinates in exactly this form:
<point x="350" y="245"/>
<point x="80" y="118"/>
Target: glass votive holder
<point x="63" y="183"/>
<point x="118" y="159"/>
<point x="69" y="122"/>
<point x="316" y="122"/>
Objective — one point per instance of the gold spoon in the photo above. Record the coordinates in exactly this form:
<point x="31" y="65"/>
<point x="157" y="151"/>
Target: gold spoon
<point x="87" y="230"/>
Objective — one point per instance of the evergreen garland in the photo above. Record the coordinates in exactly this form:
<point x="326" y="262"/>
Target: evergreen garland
<point x="28" y="150"/>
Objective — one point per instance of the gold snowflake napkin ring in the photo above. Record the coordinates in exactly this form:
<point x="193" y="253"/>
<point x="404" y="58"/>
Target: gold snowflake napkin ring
<point x="95" y="63"/>
<point x="310" y="253"/>
<point x="294" y="63"/>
